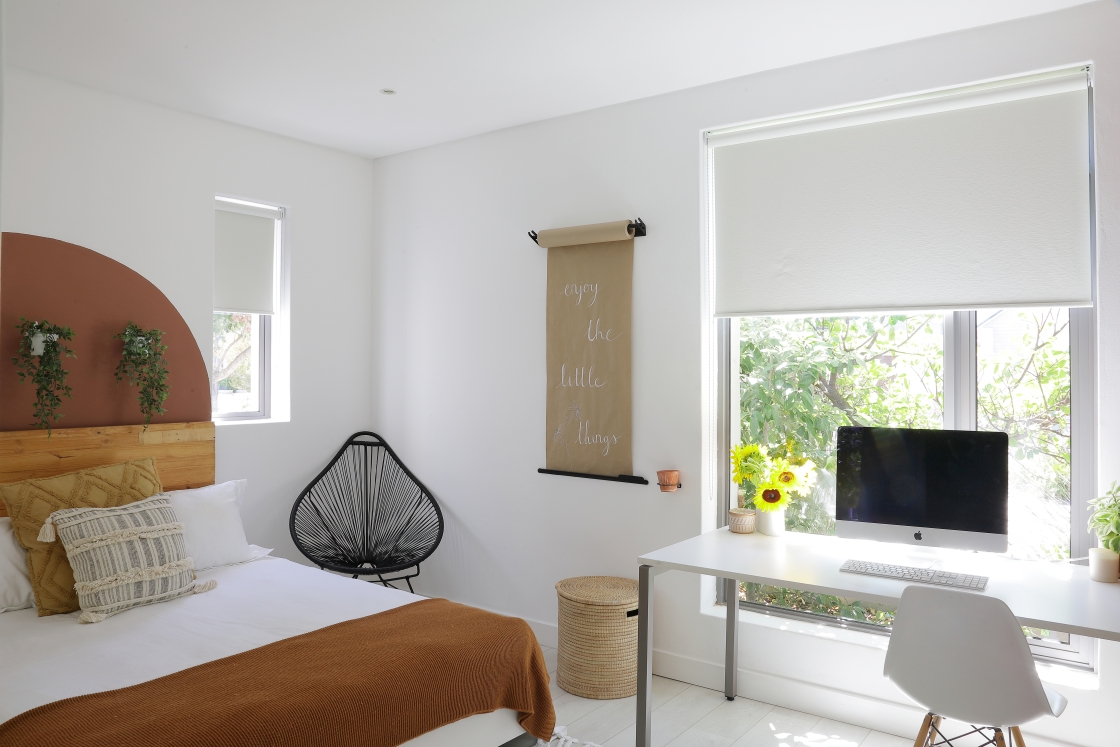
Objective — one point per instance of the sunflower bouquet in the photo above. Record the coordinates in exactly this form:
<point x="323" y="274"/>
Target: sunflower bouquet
<point x="775" y="479"/>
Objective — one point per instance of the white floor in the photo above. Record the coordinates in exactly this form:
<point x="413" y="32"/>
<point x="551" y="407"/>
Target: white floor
<point x="689" y="716"/>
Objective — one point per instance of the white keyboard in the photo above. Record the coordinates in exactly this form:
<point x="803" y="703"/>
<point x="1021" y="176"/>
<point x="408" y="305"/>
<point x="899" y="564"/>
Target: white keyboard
<point x="920" y="575"/>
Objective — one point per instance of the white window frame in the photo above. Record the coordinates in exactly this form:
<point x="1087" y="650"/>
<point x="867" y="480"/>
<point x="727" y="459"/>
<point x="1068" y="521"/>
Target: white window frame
<point x="959" y="414"/>
<point x="265" y="360"/>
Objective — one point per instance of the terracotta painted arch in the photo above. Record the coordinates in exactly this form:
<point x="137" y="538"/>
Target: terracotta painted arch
<point x="66" y="284"/>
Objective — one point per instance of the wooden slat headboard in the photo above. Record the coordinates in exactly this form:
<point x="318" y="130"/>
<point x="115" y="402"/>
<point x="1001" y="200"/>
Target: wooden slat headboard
<point x="183" y="452"/>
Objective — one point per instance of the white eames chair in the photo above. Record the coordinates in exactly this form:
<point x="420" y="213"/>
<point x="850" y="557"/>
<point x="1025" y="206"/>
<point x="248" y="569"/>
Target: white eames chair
<point x="963" y="655"/>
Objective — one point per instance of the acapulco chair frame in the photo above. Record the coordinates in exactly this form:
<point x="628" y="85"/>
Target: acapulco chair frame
<point x="328" y="508"/>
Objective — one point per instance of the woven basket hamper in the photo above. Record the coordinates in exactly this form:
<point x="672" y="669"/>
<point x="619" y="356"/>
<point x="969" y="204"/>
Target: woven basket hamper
<point x="598" y="654"/>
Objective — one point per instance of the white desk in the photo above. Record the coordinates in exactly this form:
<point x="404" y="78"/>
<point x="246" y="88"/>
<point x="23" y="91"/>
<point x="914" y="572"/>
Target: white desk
<point x="1057" y="596"/>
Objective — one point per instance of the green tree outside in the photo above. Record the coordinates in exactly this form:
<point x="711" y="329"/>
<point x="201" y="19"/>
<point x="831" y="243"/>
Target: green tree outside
<point x="233" y="346"/>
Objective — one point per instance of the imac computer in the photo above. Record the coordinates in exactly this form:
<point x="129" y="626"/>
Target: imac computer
<point x="922" y="487"/>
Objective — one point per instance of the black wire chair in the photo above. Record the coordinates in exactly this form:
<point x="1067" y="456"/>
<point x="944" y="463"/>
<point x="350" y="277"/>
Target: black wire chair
<point x="366" y="514"/>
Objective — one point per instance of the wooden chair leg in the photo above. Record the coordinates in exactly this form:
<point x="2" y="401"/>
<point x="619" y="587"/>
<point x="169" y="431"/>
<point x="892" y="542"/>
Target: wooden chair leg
<point x="933" y="727"/>
<point x="1017" y="737"/>
<point x="923" y="733"/>
<point x="999" y="738"/>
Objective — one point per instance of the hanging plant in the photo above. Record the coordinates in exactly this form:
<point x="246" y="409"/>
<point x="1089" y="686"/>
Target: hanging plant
<point x="39" y="358"/>
<point x="143" y="365"/>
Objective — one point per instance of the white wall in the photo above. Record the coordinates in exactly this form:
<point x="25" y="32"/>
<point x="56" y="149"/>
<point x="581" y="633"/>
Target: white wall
<point x="136" y="182"/>
<point x="459" y="320"/>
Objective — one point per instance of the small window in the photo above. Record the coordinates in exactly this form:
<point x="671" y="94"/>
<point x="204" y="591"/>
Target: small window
<point x="239" y="383"/>
<point x="247" y="260"/>
<point x="1023" y="389"/>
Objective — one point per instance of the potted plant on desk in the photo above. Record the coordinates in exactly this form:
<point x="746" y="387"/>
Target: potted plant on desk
<point x="1105" y="521"/>
<point x="769" y="483"/>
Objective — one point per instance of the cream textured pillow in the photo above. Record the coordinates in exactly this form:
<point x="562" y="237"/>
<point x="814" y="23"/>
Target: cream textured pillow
<point x="125" y="557"/>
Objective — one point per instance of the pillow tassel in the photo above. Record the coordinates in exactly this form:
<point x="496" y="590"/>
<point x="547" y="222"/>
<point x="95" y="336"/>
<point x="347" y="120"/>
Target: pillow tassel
<point x="91" y="617"/>
<point x="46" y="534"/>
<point x="204" y="586"/>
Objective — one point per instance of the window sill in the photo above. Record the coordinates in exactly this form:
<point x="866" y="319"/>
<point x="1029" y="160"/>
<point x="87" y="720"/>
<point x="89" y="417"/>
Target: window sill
<point x="1078" y="679"/>
<point x="1054" y="674"/>
<point x="804" y="627"/>
<point x="249" y="421"/>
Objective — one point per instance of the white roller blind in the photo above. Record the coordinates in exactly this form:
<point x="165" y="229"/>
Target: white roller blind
<point x="974" y="200"/>
<point x="244" y="261"/>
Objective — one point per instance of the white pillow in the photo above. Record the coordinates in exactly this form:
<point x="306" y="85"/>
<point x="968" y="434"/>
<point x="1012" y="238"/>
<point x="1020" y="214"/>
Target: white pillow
<point x="212" y="528"/>
<point x="15" y="580"/>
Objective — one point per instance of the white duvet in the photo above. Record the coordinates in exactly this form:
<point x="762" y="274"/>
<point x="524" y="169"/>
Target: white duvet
<point x="43" y="659"/>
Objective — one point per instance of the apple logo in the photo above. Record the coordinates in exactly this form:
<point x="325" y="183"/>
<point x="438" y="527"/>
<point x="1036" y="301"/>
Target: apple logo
<point x="917" y="535"/>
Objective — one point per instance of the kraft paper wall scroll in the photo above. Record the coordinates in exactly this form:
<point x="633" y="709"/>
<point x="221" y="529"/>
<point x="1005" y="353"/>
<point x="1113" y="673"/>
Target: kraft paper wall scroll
<point x="590" y="288"/>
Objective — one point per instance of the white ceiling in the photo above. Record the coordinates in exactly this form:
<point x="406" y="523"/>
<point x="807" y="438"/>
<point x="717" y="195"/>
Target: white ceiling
<point x="312" y="69"/>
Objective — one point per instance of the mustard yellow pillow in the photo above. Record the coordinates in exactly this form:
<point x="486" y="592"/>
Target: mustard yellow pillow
<point x="30" y="502"/>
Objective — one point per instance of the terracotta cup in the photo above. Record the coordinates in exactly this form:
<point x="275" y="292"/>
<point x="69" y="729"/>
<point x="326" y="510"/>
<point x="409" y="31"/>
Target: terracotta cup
<point x="668" y="479"/>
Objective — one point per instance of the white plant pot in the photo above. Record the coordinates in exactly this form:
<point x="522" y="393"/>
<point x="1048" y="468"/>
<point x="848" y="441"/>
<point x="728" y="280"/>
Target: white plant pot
<point x="772" y="523"/>
<point x="1104" y="565"/>
<point x="38" y="340"/>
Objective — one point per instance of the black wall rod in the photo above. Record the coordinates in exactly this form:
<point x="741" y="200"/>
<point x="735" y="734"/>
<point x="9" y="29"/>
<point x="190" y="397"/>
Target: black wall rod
<point x="632" y="479"/>
<point x="639" y="230"/>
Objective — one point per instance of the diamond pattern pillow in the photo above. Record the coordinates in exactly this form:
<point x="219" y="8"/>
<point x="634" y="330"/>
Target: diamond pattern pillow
<point x="30" y="502"/>
<point x="125" y="557"/>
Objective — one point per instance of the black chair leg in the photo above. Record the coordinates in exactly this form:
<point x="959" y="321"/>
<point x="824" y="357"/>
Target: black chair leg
<point x="409" y="582"/>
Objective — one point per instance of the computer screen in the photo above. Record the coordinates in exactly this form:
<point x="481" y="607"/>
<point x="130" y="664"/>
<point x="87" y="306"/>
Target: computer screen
<point x="922" y="479"/>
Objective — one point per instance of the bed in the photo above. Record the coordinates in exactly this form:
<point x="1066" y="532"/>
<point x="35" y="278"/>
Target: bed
<point x="255" y="604"/>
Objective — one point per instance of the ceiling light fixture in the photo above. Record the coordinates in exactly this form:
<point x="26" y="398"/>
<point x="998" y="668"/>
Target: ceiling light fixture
<point x="388" y="91"/>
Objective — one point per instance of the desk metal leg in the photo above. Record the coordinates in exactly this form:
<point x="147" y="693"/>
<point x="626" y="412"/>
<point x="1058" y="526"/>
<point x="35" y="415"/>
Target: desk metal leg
<point x="731" y="655"/>
<point x="644" y="730"/>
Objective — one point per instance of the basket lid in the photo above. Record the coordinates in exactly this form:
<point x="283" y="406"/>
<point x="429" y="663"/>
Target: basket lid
<point x="599" y="590"/>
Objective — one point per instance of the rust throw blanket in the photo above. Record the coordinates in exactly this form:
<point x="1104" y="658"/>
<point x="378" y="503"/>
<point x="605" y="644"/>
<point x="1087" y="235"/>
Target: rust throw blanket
<point x="379" y="680"/>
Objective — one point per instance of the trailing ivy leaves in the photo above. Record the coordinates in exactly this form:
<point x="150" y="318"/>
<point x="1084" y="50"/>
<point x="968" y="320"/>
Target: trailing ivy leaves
<point x="143" y="365"/>
<point x="44" y="370"/>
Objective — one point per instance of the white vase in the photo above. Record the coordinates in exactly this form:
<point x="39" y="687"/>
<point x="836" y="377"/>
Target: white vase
<point x="772" y="523"/>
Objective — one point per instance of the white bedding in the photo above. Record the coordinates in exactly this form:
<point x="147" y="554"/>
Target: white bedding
<point x="43" y="659"/>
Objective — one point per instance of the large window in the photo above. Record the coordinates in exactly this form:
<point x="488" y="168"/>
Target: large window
<point x="814" y="217"/>
<point x="800" y="378"/>
<point x="248" y="249"/>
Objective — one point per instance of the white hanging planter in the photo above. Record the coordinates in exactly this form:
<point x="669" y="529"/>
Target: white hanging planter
<point x="39" y="342"/>
<point x="772" y="523"/>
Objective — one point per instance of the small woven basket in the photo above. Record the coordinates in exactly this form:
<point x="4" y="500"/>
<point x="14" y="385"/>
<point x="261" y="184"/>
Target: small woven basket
<point x="741" y="520"/>
<point x="598" y="654"/>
